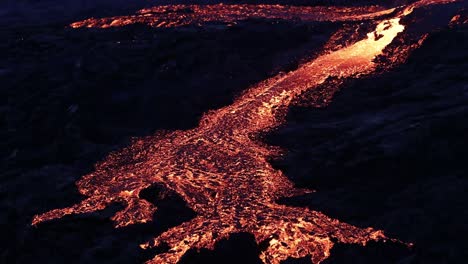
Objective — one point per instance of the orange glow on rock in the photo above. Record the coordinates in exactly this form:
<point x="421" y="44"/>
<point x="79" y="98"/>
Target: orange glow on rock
<point x="181" y="15"/>
<point x="221" y="170"/>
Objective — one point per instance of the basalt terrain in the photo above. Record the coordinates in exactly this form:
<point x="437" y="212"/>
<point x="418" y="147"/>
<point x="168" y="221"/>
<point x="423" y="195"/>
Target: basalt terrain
<point x="235" y="133"/>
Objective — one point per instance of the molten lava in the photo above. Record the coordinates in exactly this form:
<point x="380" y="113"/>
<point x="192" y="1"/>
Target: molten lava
<point x="181" y="15"/>
<point x="219" y="168"/>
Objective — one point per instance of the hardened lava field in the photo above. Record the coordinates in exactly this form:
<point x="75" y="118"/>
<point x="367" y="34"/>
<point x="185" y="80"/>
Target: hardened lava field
<point x="220" y="168"/>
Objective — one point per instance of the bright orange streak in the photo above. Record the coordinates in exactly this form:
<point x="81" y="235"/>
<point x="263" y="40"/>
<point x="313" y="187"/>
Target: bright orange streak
<point x="222" y="172"/>
<point x="181" y="15"/>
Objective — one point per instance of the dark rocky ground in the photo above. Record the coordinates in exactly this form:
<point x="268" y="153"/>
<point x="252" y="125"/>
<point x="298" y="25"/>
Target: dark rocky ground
<point x="389" y="152"/>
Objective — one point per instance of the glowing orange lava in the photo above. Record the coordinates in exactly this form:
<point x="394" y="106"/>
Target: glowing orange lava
<point x="181" y="15"/>
<point x="221" y="170"/>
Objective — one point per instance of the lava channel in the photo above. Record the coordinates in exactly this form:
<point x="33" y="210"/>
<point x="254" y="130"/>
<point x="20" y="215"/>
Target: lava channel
<point x="221" y="169"/>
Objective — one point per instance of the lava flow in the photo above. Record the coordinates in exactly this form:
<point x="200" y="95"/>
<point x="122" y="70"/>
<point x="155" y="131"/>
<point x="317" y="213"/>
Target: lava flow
<point x="222" y="172"/>
<point x="181" y="15"/>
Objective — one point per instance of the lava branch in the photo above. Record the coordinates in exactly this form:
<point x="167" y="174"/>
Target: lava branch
<point x="181" y="15"/>
<point x="223" y="173"/>
<point x="290" y="232"/>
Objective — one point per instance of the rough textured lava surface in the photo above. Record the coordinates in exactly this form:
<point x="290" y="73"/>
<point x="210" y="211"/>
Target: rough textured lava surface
<point x="222" y="169"/>
<point x="219" y="168"/>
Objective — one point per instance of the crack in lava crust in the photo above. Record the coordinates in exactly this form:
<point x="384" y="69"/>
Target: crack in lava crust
<point x="222" y="172"/>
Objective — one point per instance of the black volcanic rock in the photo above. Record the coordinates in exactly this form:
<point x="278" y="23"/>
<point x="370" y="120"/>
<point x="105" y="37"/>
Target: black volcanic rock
<point x="389" y="152"/>
<point x="72" y="96"/>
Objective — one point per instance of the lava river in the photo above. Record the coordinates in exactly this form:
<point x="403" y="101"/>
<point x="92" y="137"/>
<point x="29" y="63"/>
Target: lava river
<point x="221" y="169"/>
